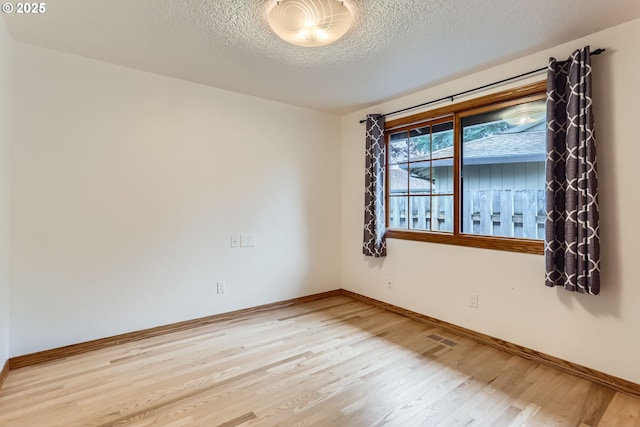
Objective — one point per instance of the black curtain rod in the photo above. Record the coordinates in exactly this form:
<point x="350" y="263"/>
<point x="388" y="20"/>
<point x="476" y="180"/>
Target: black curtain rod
<point x="451" y="97"/>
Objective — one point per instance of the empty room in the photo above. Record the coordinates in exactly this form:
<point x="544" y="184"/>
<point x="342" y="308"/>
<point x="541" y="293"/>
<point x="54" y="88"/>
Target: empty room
<point x="319" y="212"/>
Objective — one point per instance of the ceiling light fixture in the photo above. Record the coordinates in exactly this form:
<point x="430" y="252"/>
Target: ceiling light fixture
<point x="310" y="23"/>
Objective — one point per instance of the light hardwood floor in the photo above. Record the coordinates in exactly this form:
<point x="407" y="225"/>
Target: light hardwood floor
<point x="330" y="362"/>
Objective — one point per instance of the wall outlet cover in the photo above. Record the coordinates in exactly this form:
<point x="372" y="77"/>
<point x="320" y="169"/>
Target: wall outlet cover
<point x="221" y="286"/>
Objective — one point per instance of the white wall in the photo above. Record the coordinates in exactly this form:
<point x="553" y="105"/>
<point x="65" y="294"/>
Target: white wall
<point x="600" y="332"/>
<point x="127" y="186"/>
<point x="6" y="86"/>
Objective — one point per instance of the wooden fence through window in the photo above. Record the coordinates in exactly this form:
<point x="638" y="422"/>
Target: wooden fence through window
<point x="506" y="213"/>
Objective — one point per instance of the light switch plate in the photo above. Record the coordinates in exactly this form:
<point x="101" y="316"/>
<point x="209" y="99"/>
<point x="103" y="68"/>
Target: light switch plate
<point x="247" y="240"/>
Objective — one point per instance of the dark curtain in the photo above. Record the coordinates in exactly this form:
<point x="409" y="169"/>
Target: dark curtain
<point x="374" y="243"/>
<point x="572" y="245"/>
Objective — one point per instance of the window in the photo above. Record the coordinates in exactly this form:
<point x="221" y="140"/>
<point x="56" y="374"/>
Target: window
<point x="472" y="173"/>
<point x="421" y="177"/>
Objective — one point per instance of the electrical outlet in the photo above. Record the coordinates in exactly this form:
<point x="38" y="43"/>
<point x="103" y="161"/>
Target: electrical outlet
<point x="235" y="241"/>
<point x="473" y="300"/>
<point x="389" y="284"/>
<point x="221" y="286"/>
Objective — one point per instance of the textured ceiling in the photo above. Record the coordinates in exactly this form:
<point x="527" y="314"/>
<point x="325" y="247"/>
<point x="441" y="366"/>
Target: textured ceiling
<point x="395" y="46"/>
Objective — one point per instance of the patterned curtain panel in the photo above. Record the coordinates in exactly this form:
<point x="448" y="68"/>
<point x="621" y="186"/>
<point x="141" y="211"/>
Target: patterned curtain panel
<point x="374" y="243"/>
<point x="572" y="246"/>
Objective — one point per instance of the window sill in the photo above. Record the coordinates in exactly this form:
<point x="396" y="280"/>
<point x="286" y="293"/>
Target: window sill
<point x="509" y="244"/>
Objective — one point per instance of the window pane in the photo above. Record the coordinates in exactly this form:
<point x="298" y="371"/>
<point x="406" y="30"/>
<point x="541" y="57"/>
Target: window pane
<point x="398" y="148"/>
<point x="442" y="220"/>
<point x="431" y="213"/>
<point x="443" y="180"/>
<point x="503" y="154"/>
<point x="420" y="213"/>
<point x="442" y="141"/>
<point x="398" y="212"/>
<point x="420" y="143"/>
<point x="398" y="179"/>
<point x="420" y="179"/>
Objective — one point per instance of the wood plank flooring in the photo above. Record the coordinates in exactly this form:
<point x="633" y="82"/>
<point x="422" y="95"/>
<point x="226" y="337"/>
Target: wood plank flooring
<point x="331" y="362"/>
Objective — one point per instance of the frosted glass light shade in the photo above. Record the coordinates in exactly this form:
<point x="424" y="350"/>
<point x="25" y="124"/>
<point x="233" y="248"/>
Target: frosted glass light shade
<point x="310" y="23"/>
